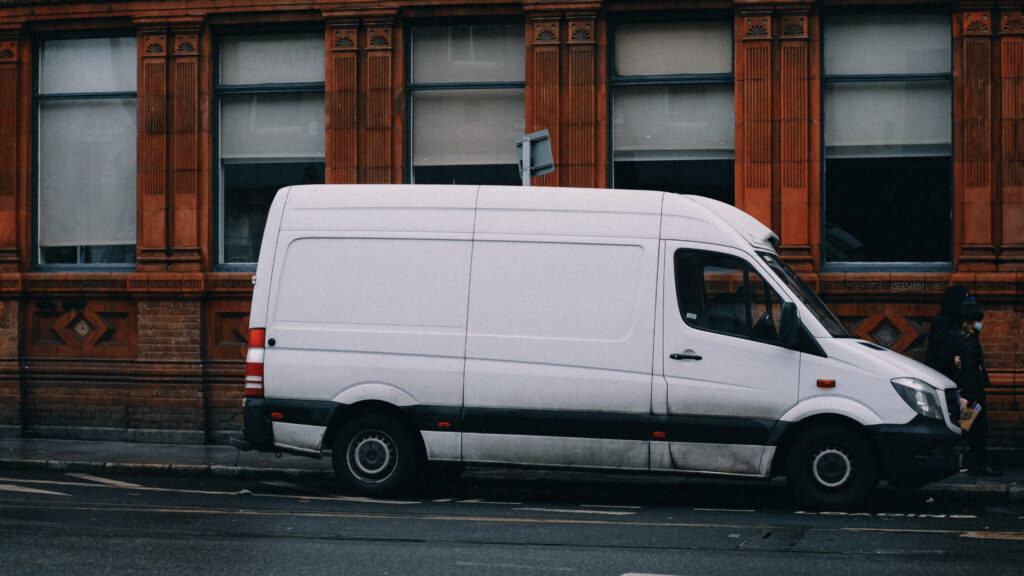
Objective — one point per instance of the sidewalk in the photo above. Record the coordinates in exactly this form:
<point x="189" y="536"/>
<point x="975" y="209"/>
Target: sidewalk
<point x="220" y="460"/>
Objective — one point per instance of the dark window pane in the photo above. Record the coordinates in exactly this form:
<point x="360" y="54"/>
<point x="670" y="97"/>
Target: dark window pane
<point x="248" y="192"/>
<point x="888" y="209"/>
<point x="58" y="254"/>
<point x="711" y="178"/>
<point x="490" y="174"/>
<point x="111" y="254"/>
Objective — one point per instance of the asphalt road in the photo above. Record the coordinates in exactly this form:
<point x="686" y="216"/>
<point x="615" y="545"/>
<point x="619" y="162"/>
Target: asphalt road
<point x="68" y="524"/>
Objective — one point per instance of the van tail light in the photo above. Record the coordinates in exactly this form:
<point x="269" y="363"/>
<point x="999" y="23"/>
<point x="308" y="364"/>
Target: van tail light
<point x="254" y="363"/>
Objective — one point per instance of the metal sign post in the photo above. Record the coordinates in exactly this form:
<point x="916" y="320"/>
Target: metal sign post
<point x="535" y="158"/>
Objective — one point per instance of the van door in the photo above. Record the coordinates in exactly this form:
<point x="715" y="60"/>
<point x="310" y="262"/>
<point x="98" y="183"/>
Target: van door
<point x="728" y="377"/>
<point x="559" y="352"/>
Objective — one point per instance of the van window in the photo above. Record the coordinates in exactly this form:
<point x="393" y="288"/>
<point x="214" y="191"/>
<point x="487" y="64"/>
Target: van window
<point x="722" y="293"/>
<point x="555" y="290"/>
<point x="379" y="282"/>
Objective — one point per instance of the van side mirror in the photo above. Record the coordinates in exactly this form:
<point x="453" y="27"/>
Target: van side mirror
<point x="789" y="324"/>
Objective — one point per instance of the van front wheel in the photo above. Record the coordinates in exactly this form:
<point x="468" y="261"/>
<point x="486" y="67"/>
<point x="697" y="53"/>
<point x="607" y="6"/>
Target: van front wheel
<point x="374" y="456"/>
<point x="830" y="467"/>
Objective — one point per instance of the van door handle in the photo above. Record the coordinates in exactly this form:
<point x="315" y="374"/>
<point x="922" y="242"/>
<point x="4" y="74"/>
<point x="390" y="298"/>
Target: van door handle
<point x="685" y="357"/>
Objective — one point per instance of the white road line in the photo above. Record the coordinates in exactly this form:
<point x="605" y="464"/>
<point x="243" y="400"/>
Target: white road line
<point x="106" y="481"/>
<point x="517" y="567"/>
<point x="576" y="511"/>
<point x="23" y="490"/>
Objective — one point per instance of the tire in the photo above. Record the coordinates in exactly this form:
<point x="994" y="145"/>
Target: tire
<point x="830" y="467"/>
<point x="375" y="456"/>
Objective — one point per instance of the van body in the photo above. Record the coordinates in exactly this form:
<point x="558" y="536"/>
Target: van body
<point x="395" y="326"/>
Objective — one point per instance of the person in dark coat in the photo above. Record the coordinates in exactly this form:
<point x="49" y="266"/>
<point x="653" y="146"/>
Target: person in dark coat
<point x="944" y="329"/>
<point x="971" y="379"/>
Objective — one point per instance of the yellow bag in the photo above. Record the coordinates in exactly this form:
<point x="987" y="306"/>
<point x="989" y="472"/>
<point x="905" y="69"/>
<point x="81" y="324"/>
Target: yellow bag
<point x="968" y="415"/>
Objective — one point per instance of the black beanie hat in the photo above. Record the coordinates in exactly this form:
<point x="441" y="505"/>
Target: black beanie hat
<point x="971" y="312"/>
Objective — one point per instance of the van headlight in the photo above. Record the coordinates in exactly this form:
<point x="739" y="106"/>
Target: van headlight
<point x="920" y="396"/>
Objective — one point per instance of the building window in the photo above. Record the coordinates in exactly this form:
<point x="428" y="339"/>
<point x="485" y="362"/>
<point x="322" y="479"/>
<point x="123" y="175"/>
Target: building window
<point x="673" y="108"/>
<point x="270" y="96"/>
<point x="887" y="107"/>
<point x="467" y="103"/>
<point x="85" y="160"/>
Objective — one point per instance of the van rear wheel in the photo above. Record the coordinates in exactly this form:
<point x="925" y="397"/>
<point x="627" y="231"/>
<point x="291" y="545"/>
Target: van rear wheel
<point x="374" y="455"/>
<point x="830" y="467"/>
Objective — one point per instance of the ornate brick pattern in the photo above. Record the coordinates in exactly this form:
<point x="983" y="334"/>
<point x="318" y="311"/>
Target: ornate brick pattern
<point x="78" y="328"/>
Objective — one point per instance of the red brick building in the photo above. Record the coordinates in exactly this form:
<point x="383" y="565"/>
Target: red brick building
<point x="140" y="142"/>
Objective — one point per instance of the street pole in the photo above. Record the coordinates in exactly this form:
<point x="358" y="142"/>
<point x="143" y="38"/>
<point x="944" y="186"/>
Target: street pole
<point x="525" y="168"/>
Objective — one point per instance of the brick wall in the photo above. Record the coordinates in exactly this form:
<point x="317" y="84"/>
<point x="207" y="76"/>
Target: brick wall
<point x="10" y="384"/>
<point x="170" y="331"/>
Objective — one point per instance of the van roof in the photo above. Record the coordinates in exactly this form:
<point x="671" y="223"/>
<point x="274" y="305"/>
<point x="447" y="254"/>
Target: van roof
<point x="511" y="210"/>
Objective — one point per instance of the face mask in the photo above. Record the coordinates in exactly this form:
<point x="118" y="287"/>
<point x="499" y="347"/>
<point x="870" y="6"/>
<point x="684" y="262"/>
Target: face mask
<point x="977" y="326"/>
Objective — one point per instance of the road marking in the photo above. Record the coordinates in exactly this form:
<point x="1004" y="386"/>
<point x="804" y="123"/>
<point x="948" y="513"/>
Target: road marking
<point x="499" y="520"/>
<point x="994" y="535"/>
<point x="366" y="500"/>
<point x="517" y="567"/>
<point x="214" y="492"/>
<point x="107" y="481"/>
<point x="24" y="490"/>
<point x="577" y="511"/>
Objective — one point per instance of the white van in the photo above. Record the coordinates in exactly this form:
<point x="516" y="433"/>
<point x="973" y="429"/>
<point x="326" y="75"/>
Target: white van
<point x="396" y="326"/>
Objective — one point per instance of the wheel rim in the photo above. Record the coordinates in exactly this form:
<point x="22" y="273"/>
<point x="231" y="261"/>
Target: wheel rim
<point x="832" y="468"/>
<point x="372" y="456"/>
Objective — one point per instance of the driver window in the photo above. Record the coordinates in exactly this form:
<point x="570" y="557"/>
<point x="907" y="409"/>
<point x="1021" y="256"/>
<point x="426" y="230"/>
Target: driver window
<point x="722" y="293"/>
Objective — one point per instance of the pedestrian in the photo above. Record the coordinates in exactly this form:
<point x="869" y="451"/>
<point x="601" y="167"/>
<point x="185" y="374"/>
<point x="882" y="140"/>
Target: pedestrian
<point x="943" y="331"/>
<point x="971" y="379"/>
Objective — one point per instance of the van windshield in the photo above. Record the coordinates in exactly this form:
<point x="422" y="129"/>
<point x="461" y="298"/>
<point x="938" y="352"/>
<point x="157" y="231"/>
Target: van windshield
<point x="806" y="295"/>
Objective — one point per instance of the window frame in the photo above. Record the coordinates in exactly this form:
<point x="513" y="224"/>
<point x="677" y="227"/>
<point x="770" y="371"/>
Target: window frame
<point x="218" y="93"/>
<point x="37" y="100"/>
<point x="708" y="259"/>
<point x="909" y="78"/>
<point x="412" y="87"/>
<point x="665" y="80"/>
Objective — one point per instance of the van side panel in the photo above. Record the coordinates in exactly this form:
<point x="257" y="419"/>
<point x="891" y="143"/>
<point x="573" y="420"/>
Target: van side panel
<point x="353" y="311"/>
<point x="560" y="337"/>
<point x="368" y="302"/>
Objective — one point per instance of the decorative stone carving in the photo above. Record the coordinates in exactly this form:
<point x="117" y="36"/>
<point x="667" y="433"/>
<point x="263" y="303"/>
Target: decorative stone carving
<point x="794" y="27"/>
<point x="1012" y="23"/>
<point x="545" y="33"/>
<point x="186" y="45"/>
<point x="581" y="32"/>
<point x="378" y="38"/>
<point x="757" y="27"/>
<point x="344" y="39"/>
<point x="156" y="45"/>
<point x="977" y="24"/>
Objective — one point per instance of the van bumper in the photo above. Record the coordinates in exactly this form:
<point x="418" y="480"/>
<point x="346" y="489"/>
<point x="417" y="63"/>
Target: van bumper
<point x="916" y="453"/>
<point x="257" y="431"/>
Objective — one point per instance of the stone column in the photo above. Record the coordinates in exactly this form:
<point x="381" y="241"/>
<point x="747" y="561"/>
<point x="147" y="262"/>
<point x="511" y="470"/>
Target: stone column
<point x="972" y="140"/>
